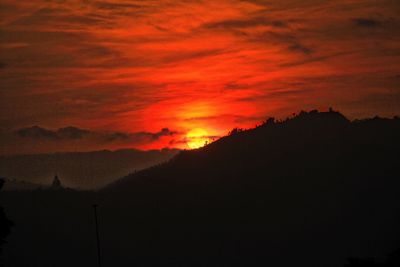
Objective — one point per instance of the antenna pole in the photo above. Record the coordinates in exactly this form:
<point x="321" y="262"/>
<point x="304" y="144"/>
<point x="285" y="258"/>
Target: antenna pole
<point x="97" y="234"/>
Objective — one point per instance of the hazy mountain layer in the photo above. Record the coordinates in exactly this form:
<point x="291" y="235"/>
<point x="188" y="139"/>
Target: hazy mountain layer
<point x="85" y="170"/>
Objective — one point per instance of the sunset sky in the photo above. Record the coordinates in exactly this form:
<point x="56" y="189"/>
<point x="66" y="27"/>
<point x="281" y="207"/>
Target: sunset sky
<point x="142" y="74"/>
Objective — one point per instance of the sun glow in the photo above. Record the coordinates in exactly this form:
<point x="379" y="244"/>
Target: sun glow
<point x="197" y="138"/>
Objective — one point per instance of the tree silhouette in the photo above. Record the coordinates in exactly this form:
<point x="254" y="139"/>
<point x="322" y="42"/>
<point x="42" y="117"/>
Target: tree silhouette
<point x="5" y="224"/>
<point x="392" y="260"/>
<point x="359" y="262"/>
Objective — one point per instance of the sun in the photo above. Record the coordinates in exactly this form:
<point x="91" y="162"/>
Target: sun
<point x="196" y="138"/>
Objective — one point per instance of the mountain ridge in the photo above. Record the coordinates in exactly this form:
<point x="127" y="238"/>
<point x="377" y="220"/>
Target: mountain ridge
<point x="320" y="126"/>
<point x="317" y="187"/>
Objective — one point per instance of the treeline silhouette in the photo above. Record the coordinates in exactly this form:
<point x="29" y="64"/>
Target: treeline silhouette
<point x="5" y="226"/>
<point x="392" y="260"/>
<point x="312" y="190"/>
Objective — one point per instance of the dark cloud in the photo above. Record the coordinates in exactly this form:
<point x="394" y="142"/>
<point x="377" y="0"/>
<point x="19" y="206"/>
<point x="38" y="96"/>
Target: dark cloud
<point x="204" y="118"/>
<point x="245" y="23"/>
<point x="114" y="6"/>
<point x="91" y="50"/>
<point x="290" y="40"/>
<point x="71" y="133"/>
<point x="182" y="56"/>
<point x="277" y="94"/>
<point x="233" y="86"/>
<point x="58" y="16"/>
<point x="40" y="36"/>
<point x="163" y="132"/>
<point x="299" y="47"/>
<point x="37" y="132"/>
<point x="363" y="22"/>
<point x="314" y="59"/>
<point x="140" y="136"/>
<point x="74" y="133"/>
<point x="118" y="136"/>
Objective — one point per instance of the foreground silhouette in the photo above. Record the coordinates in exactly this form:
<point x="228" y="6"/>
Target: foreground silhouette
<point x="5" y="225"/>
<point x="392" y="260"/>
<point x="313" y="190"/>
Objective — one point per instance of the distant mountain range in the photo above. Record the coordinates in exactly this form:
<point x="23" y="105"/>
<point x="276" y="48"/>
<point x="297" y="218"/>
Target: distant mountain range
<point x="13" y="184"/>
<point x="83" y="170"/>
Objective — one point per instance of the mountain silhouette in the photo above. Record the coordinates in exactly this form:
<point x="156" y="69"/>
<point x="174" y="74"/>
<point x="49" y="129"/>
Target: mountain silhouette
<point x="314" y="187"/>
<point x="310" y="145"/>
<point x="312" y="190"/>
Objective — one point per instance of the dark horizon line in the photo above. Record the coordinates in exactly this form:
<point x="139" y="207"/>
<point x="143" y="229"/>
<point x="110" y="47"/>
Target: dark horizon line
<point x="91" y="151"/>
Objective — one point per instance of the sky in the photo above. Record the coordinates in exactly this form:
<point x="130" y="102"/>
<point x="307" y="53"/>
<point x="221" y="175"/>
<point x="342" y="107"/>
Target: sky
<point x="84" y="75"/>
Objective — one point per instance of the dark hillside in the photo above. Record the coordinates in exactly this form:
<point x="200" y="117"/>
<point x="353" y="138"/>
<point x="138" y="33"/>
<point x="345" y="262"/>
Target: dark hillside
<point x="309" y="191"/>
<point x="315" y="188"/>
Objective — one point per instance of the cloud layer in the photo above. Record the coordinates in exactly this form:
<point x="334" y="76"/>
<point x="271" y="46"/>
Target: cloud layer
<point x="36" y="139"/>
<point x="139" y="66"/>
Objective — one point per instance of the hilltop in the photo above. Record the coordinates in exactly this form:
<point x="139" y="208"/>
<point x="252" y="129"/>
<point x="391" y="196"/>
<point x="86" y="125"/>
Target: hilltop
<point x="310" y="142"/>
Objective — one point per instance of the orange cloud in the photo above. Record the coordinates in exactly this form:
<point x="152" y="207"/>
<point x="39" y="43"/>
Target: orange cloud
<point x="140" y="66"/>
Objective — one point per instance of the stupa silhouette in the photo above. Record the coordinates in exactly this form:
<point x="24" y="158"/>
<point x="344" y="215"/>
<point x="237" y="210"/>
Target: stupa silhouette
<point x="56" y="183"/>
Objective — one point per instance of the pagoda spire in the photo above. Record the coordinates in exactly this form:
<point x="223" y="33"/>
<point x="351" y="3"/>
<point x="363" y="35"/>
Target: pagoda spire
<point x="56" y="182"/>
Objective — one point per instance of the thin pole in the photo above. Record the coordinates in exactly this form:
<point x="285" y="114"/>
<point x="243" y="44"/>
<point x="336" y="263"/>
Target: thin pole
<point x="97" y="234"/>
